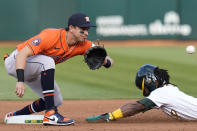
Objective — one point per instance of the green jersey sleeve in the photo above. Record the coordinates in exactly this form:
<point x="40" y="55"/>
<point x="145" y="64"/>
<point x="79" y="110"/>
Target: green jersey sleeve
<point x="147" y="103"/>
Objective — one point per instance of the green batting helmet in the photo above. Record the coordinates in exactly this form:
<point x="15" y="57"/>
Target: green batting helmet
<point x="145" y="77"/>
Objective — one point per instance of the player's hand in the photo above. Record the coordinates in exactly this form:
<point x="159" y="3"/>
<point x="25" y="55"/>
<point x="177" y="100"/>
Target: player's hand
<point x="99" y="118"/>
<point x="20" y="89"/>
<point x="95" y="57"/>
<point x="108" y="58"/>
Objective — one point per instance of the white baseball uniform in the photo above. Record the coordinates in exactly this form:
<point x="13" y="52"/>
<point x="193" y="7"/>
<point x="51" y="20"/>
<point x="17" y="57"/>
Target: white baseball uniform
<point x="174" y="102"/>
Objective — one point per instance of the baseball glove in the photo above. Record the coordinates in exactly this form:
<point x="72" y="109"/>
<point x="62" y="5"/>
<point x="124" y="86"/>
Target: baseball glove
<point x="95" y="57"/>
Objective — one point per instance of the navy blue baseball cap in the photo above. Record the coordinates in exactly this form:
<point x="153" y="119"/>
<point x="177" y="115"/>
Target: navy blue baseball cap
<point x="80" y="20"/>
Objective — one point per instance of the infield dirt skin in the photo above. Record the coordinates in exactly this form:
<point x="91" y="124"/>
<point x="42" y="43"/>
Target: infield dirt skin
<point x="153" y="120"/>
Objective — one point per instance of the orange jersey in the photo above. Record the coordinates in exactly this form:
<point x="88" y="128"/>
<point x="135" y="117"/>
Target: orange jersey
<point x="52" y="42"/>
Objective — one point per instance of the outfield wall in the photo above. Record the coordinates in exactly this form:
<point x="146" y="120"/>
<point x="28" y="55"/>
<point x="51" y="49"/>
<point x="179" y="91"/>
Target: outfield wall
<point x="115" y="19"/>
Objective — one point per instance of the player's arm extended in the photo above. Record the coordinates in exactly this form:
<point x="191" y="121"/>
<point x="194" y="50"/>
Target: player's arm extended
<point x="126" y="110"/>
<point x="20" y="66"/>
<point x="133" y="108"/>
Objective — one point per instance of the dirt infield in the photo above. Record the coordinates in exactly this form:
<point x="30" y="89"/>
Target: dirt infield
<point x="153" y="120"/>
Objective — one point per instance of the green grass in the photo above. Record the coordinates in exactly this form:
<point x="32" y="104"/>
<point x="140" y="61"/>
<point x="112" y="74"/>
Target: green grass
<point x="76" y="81"/>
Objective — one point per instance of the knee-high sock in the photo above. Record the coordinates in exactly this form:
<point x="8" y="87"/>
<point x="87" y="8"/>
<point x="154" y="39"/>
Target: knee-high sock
<point x="36" y="106"/>
<point x="47" y="81"/>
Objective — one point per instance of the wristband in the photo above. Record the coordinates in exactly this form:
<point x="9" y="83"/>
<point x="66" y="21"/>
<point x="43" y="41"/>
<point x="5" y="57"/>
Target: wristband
<point x="20" y="75"/>
<point x="108" y="64"/>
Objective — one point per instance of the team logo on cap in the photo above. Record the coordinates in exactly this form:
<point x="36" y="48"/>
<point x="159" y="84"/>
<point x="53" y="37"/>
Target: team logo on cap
<point x="87" y="19"/>
<point x="36" y="41"/>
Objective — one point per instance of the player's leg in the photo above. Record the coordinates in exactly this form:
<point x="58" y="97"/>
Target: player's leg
<point x="38" y="105"/>
<point x="36" y="65"/>
<point x="49" y="90"/>
<point x="37" y="88"/>
<point x="39" y="73"/>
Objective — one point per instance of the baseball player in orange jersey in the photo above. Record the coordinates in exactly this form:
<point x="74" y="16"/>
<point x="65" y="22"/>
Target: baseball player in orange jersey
<point x="159" y="93"/>
<point x="33" y="63"/>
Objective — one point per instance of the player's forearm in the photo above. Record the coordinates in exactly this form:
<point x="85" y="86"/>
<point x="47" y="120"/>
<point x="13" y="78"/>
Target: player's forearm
<point x="21" y="57"/>
<point x="20" y="66"/>
<point x="126" y="110"/>
<point x="20" y="61"/>
<point x="131" y="109"/>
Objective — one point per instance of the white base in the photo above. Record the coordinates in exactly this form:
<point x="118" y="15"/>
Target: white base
<point x="24" y="119"/>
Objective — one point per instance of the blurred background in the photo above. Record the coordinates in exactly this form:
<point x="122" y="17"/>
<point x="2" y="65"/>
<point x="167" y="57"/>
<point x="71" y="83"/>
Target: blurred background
<point x="147" y="24"/>
<point x="115" y="20"/>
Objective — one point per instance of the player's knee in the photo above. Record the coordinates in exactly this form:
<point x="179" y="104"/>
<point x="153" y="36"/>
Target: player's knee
<point x="9" y="69"/>
<point x="11" y="73"/>
<point x="49" y="63"/>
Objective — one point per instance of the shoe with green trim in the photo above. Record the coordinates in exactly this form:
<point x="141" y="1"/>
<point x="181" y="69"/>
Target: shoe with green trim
<point x="99" y="118"/>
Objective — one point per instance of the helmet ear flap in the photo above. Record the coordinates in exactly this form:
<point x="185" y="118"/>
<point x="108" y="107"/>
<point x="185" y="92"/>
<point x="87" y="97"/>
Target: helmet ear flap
<point x="148" y="85"/>
<point x="150" y="82"/>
